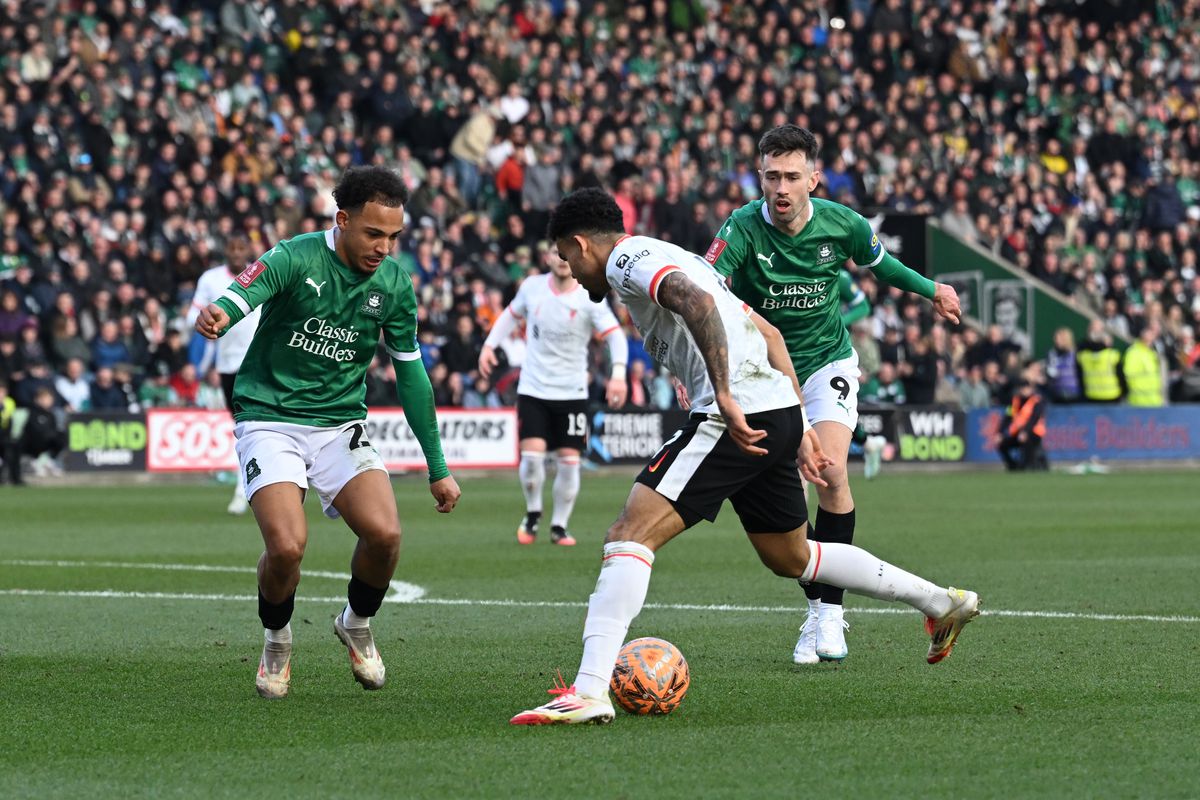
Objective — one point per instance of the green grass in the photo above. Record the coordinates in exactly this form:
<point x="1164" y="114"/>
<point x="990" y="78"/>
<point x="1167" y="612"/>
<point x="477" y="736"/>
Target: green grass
<point x="137" y="697"/>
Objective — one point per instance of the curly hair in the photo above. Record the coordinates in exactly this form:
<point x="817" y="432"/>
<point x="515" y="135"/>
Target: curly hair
<point x="587" y="211"/>
<point x="362" y="185"/>
<point x="788" y="139"/>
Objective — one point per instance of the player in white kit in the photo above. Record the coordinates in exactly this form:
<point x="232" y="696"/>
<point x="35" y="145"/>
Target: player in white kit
<point x="560" y="320"/>
<point x="232" y="347"/>
<point x="742" y="443"/>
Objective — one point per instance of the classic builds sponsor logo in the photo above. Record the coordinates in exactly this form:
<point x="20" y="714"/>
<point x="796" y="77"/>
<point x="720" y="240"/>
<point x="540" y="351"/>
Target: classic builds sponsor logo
<point x="322" y="339"/>
<point x="795" y="295"/>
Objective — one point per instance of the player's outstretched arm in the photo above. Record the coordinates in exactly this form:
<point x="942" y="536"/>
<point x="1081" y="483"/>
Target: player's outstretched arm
<point x="698" y="310"/>
<point x="616" y="391"/>
<point x="945" y="299"/>
<point x="212" y="321"/>
<point x="416" y="398"/>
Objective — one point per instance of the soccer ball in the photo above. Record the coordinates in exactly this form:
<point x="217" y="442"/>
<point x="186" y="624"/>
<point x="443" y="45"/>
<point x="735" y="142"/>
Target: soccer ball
<point x="651" y="677"/>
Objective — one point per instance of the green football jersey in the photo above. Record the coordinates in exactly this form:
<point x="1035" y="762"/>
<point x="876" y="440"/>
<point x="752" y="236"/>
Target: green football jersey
<point x="320" y="325"/>
<point x="793" y="280"/>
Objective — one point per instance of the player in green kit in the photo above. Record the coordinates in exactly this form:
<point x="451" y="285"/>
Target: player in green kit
<point x="784" y="254"/>
<point x="298" y="405"/>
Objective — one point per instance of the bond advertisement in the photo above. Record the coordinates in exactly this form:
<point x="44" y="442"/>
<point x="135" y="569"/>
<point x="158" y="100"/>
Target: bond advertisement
<point x="1075" y="433"/>
<point x="930" y="434"/>
<point x="485" y="438"/>
<point x="189" y="440"/>
<point x="115" y="441"/>
<point x="630" y="437"/>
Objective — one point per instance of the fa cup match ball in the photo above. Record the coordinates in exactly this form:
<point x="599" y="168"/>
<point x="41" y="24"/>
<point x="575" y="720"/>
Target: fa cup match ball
<point x="651" y="677"/>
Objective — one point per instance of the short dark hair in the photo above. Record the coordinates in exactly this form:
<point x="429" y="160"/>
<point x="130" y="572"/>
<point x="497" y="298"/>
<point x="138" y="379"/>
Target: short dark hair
<point x="362" y="185"/>
<point x="585" y="211"/>
<point x="788" y="139"/>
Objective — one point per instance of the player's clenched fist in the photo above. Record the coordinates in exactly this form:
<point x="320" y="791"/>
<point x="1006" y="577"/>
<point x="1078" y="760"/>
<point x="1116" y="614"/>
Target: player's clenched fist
<point x="211" y="322"/>
<point x="446" y="492"/>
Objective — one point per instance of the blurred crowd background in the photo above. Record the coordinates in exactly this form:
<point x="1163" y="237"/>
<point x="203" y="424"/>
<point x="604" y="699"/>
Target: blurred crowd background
<point x="137" y="137"/>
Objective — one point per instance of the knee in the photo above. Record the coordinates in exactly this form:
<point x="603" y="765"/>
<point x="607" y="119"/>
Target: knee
<point x="792" y="566"/>
<point x="285" y="552"/>
<point x="835" y="476"/>
<point x="384" y="539"/>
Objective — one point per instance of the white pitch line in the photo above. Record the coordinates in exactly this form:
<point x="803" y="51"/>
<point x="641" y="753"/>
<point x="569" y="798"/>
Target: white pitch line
<point x="438" y="601"/>
<point x="401" y="592"/>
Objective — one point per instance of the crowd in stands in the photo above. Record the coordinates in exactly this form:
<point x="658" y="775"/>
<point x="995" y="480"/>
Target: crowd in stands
<point x="137" y="136"/>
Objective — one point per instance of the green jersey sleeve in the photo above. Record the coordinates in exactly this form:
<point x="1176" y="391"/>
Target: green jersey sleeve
<point x="400" y="326"/>
<point x="728" y="249"/>
<point x="864" y="245"/>
<point x="258" y="283"/>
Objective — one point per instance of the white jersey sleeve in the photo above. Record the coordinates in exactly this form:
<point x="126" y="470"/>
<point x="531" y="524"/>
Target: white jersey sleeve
<point x="232" y="347"/>
<point x="636" y="270"/>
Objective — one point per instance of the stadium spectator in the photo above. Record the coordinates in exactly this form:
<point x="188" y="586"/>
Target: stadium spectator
<point x="1143" y="371"/>
<point x="43" y="438"/>
<point x="884" y="388"/>
<point x="156" y="391"/>
<point x="10" y="452"/>
<point x="1062" y="369"/>
<point x="973" y="391"/>
<point x="1098" y="366"/>
<point x="72" y="386"/>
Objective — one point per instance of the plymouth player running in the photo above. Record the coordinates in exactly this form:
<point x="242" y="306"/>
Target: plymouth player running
<point x="784" y="254"/>
<point x="560" y="321"/>
<point x="741" y="443"/>
<point x="299" y="410"/>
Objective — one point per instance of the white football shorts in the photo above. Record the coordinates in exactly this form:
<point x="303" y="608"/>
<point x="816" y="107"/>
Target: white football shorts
<point x="831" y="393"/>
<point x="281" y="452"/>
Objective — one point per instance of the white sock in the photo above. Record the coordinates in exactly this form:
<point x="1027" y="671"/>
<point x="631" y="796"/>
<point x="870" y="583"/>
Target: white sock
<point x="352" y="620"/>
<point x="533" y="474"/>
<point x="239" y="488"/>
<point x="281" y="636"/>
<point x="566" y="489"/>
<point x="620" y="592"/>
<point x="856" y="570"/>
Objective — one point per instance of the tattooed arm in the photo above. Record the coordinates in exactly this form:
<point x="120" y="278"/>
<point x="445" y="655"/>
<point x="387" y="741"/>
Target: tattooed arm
<point x="698" y="310"/>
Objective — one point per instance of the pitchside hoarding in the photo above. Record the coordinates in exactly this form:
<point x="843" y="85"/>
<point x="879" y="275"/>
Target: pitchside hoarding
<point x="182" y="440"/>
<point x="105" y="441"/>
<point x="1075" y="433"/>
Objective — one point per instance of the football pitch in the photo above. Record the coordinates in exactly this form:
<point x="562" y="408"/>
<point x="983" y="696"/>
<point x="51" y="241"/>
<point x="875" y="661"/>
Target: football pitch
<point x="129" y="640"/>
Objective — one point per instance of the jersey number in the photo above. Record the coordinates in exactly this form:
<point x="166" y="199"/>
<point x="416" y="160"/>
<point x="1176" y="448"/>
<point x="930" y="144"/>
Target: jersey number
<point x="358" y="437"/>
<point x="577" y="424"/>
<point x="842" y="386"/>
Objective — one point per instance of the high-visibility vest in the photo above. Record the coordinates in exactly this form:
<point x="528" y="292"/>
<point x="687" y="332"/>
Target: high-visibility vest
<point x="1143" y="376"/>
<point x="7" y="409"/>
<point x="1022" y="409"/>
<point x="1099" y="371"/>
